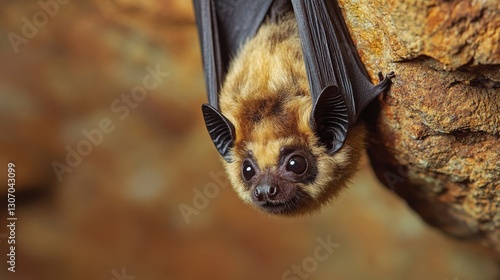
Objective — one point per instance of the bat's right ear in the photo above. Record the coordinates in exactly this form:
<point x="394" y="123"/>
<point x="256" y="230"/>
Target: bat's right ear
<point x="221" y="130"/>
<point x="330" y="119"/>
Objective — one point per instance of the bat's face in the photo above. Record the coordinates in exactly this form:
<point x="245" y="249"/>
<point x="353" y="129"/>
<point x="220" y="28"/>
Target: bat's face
<point x="290" y="173"/>
<point x="274" y="157"/>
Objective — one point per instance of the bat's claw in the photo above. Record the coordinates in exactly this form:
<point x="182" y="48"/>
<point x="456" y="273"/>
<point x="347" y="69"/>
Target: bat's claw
<point x="380" y="76"/>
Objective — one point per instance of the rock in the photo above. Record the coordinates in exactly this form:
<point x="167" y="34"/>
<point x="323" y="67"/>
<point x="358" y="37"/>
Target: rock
<point x="436" y="139"/>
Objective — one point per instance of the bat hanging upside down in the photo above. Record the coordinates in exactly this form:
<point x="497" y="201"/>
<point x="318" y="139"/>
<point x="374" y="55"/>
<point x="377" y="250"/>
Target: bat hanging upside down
<point x="286" y="88"/>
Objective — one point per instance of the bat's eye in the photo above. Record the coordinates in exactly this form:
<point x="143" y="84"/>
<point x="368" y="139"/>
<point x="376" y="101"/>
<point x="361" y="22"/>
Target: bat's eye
<point x="248" y="171"/>
<point x="297" y="164"/>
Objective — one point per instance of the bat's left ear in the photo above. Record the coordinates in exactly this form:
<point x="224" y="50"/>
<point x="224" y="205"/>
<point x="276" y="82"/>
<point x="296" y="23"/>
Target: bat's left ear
<point x="330" y="119"/>
<point x="221" y="130"/>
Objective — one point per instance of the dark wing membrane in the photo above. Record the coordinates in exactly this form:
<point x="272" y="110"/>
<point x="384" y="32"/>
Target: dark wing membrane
<point x="340" y="87"/>
<point x="206" y="21"/>
<point x="331" y="58"/>
<point x="223" y="26"/>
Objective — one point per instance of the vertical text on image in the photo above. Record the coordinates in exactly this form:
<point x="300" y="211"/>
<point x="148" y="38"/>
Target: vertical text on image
<point x="11" y="217"/>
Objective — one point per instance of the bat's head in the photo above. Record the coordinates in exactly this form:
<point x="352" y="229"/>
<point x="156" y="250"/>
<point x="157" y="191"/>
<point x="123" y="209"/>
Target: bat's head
<point x="283" y="154"/>
<point x="275" y="161"/>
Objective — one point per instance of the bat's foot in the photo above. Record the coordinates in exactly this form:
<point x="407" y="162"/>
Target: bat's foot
<point x="389" y="76"/>
<point x="385" y="82"/>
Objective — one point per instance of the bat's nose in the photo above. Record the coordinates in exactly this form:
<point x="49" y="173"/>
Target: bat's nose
<point x="266" y="192"/>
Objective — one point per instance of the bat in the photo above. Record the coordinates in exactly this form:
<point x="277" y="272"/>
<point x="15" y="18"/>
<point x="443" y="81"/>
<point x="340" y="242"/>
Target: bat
<point x="285" y="90"/>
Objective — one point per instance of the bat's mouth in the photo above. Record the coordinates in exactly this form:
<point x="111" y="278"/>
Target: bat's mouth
<point x="277" y="208"/>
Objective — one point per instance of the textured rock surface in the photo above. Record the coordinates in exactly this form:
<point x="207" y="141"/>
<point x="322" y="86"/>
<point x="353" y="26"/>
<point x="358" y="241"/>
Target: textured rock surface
<point x="437" y="138"/>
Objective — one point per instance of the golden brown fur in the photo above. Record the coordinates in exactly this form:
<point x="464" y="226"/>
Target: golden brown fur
<point x="266" y="96"/>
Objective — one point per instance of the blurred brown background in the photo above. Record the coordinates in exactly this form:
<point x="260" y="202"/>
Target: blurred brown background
<point x="116" y="214"/>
